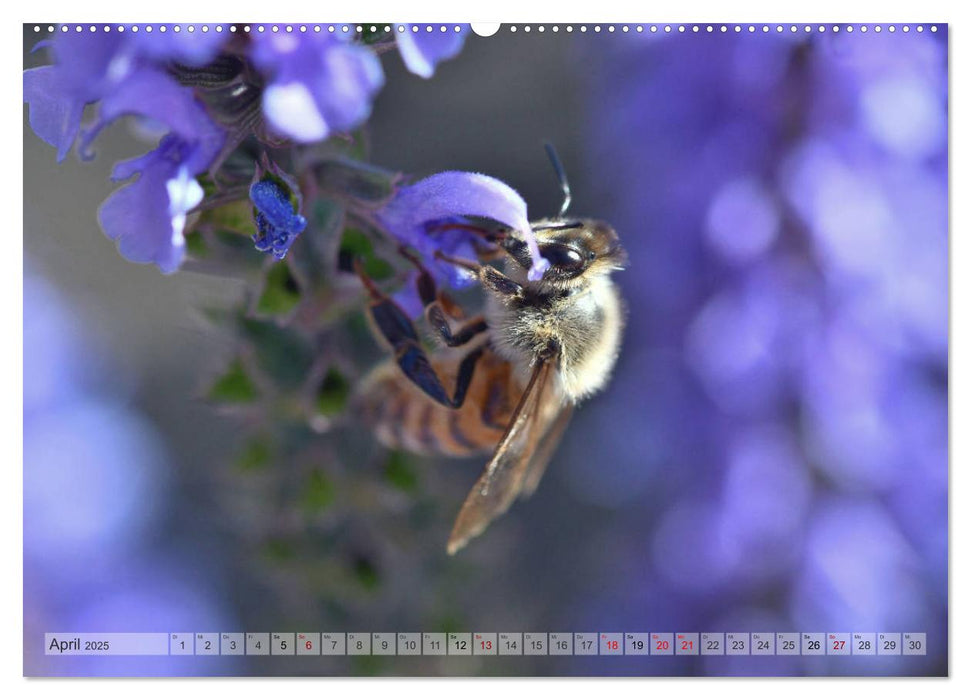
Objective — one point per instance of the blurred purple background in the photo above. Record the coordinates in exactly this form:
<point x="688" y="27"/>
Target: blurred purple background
<point x="784" y="199"/>
<point x="771" y="455"/>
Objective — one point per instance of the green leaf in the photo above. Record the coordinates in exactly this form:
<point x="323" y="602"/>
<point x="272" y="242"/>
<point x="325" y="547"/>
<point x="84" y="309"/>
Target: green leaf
<point x="219" y="316"/>
<point x="234" y="386"/>
<point x="399" y="472"/>
<point x="313" y="254"/>
<point x="327" y="215"/>
<point x="223" y="252"/>
<point x="281" y="352"/>
<point x="378" y="268"/>
<point x="358" y="327"/>
<point x="235" y="250"/>
<point x="371" y="665"/>
<point x="256" y="455"/>
<point x="207" y="184"/>
<point x="332" y="394"/>
<point x="195" y="244"/>
<point x="355" y="244"/>
<point x="357" y="147"/>
<point x="280" y="291"/>
<point x="319" y="491"/>
<point x="278" y="549"/>
<point x="235" y="217"/>
<point x="366" y="573"/>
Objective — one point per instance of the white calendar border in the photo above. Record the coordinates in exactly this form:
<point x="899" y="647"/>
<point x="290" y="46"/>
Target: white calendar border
<point x="11" y="266"/>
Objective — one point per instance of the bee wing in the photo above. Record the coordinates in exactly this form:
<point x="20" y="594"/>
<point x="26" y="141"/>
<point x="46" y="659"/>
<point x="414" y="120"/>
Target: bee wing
<point x="540" y="460"/>
<point x="502" y="479"/>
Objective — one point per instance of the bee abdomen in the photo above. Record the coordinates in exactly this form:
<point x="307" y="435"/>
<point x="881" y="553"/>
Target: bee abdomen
<point x="404" y="418"/>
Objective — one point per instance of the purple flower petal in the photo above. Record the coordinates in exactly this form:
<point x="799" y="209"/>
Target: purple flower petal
<point x="125" y="169"/>
<point x="85" y="67"/>
<point x="120" y="69"/>
<point x="407" y="297"/>
<point x="127" y="74"/>
<point x="451" y="194"/>
<point x="90" y="64"/>
<point x="350" y="77"/>
<point x="291" y="109"/>
<point x="190" y="48"/>
<point x="317" y="84"/>
<point x="146" y="217"/>
<point x="151" y="93"/>
<point x="54" y="115"/>
<point x="422" y="51"/>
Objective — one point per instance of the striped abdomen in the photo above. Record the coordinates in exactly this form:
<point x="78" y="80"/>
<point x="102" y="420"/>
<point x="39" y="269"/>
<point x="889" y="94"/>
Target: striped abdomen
<point x="403" y="417"/>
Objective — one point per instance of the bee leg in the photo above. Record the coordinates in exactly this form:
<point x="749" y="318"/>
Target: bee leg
<point x="490" y="236"/>
<point x="436" y="318"/>
<point x="489" y="277"/>
<point x="397" y="329"/>
<point x="486" y="242"/>
<point x="437" y="306"/>
<point x="427" y="291"/>
<point x="487" y="253"/>
<point x="413" y="361"/>
<point x="460" y="262"/>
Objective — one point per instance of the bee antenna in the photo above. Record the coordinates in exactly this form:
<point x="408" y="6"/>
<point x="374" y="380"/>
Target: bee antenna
<point x="560" y="175"/>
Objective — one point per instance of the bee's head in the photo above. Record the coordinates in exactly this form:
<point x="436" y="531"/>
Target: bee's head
<point x="577" y="250"/>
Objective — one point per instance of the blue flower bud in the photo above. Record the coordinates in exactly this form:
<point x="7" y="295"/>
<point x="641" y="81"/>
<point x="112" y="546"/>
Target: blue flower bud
<point x="277" y="222"/>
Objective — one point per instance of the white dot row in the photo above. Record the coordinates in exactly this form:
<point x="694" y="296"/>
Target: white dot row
<point x="246" y="28"/>
<point x="724" y="28"/>
<point x="345" y="29"/>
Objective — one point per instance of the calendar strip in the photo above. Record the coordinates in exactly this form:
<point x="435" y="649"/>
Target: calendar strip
<point x="487" y="644"/>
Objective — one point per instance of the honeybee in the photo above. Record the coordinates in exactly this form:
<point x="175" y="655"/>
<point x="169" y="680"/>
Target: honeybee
<point x="518" y="369"/>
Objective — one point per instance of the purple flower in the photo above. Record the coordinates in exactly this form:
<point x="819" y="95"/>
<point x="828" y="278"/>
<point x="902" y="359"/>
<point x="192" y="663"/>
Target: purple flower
<point x="318" y="83"/>
<point x="454" y="194"/>
<point x="90" y="67"/>
<point x="313" y="85"/>
<point x="147" y="217"/>
<point x="125" y="73"/>
<point x="151" y="93"/>
<point x="277" y="222"/>
<point x="54" y="114"/>
<point x="422" y="50"/>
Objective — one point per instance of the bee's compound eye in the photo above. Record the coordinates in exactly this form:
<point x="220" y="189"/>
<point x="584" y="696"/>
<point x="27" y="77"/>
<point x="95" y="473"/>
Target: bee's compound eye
<point x="562" y="256"/>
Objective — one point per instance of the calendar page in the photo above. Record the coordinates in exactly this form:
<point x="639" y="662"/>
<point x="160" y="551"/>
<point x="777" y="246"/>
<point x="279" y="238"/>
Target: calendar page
<point x="520" y="349"/>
